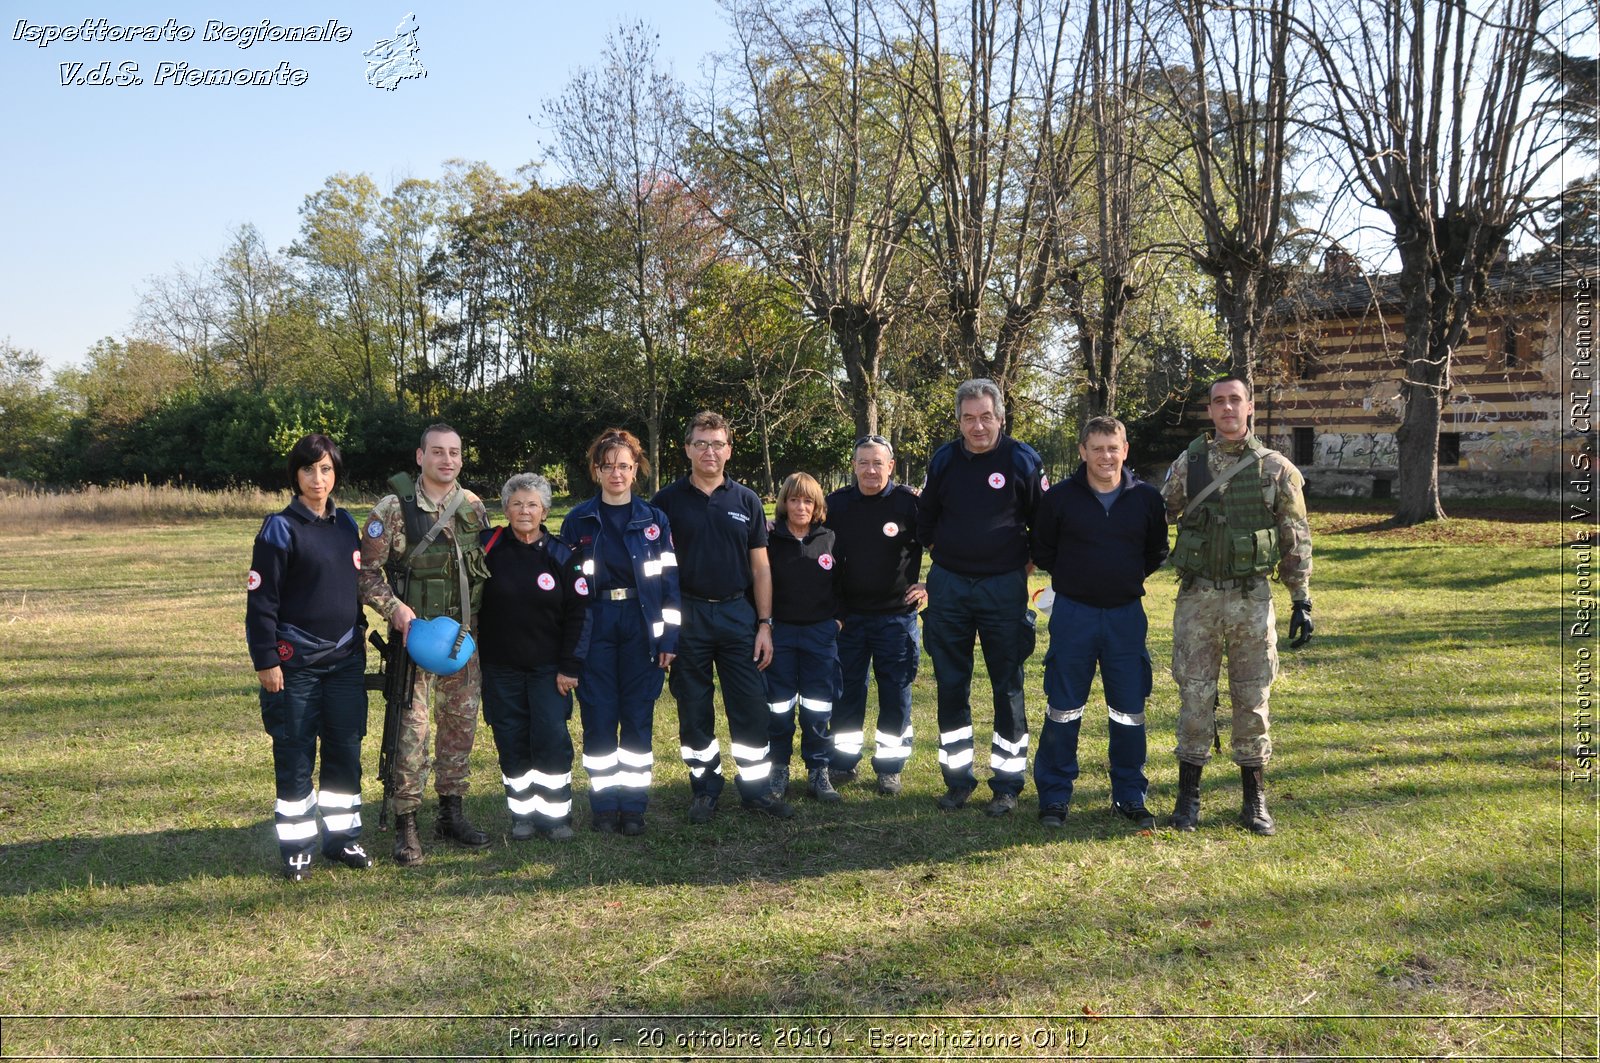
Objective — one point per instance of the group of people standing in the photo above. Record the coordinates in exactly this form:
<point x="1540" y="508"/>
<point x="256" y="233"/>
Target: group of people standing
<point x="696" y="589"/>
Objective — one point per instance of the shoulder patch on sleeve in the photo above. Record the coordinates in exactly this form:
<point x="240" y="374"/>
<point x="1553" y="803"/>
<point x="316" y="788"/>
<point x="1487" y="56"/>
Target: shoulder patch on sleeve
<point x="374" y="528"/>
<point x="275" y="532"/>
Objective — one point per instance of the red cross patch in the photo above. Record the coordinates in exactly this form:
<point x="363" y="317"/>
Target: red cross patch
<point x="826" y="561"/>
<point x="252" y="581"/>
<point x="546" y="581"/>
<point x="891" y="529"/>
<point x="653" y="532"/>
<point x="997" y="480"/>
<point x="582" y="586"/>
<point x="285" y="651"/>
<point x="355" y="558"/>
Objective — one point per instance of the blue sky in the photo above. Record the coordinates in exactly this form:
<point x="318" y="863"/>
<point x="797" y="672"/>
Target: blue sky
<point x="108" y="186"/>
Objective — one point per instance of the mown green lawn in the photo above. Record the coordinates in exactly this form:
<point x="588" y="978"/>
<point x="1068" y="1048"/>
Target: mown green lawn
<point x="1421" y="898"/>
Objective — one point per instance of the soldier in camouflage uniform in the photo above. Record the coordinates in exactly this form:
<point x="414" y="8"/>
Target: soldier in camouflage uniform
<point x="1248" y="520"/>
<point x="431" y="582"/>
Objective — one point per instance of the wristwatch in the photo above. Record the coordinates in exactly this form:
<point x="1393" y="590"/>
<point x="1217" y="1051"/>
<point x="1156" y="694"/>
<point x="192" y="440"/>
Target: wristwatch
<point x="767" y="620"/>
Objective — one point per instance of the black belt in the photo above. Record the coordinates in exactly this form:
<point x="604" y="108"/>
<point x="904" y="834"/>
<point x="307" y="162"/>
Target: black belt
<point x="715" y="601"/>
<point x="617" y="594"/>
<point x="1220" y="584"/>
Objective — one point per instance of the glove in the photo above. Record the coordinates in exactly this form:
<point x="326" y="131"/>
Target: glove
<point x="1301" y="627"/>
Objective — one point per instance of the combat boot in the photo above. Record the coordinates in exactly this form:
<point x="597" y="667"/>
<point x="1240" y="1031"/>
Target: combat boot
<point x="453" y="824"/>
<point x="407" y="846"/>
<point x="1186" y="816"/>
<point x="1254" y="814"/>
<point x="780" y="780"/>
<point x="822" y="787"/>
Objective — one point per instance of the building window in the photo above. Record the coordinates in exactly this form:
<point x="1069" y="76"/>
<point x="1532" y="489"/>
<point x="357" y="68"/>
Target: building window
<point x="1449" y="449"/>
<point x="1305" y="446"/>
<point x="1508" y="342"/>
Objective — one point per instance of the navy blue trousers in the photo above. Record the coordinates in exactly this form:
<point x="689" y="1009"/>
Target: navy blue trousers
<point x="326" y="704"/>
<point x="890" y="644"/>
<point x="617" y="702"/>
<point x="804" y="674"/>
<point x="1082" y="637"/>
<point x="721" y="635"/>
<point x="995" y="610"/>
<point x="529" y="718"/>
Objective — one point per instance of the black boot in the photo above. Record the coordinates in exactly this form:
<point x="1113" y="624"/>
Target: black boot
<point x="454" y="825"/>
<point x="1254" y="814"/>
<point x="1186" y="816"/>
<point x="407" y="846"/>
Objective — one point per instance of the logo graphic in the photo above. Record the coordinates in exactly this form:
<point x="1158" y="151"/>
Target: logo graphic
<point x="546" y="582"/>
<point x="891" y="529"/>
<point x="252" y="581"/>
<point x="374" y="528"/>
<point x="355" y="559"/>
<point x="392" y="61"/>
<point x="1044" y="481"/>
<point x="826" y="561"/>
<point x="285" y="651"/>
<point x="653" y="532"/>
<point x="997" y="480"/>
<point x="582" y="586"/>
<point x="300" y="861"/>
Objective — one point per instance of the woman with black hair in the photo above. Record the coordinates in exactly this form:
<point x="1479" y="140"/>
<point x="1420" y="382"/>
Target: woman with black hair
<point x="303" y="627"/>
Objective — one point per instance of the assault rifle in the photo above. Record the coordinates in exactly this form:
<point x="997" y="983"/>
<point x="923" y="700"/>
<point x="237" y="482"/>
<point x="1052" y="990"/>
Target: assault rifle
<point x="396" y="679"/>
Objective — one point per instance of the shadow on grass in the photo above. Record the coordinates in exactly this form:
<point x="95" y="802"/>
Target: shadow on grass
<point x="1426" y="569"/>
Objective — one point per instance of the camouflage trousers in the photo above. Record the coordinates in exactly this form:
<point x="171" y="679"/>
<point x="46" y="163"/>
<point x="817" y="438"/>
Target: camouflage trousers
<point x="455" y="698"/>
<point x="1209" y="622"/>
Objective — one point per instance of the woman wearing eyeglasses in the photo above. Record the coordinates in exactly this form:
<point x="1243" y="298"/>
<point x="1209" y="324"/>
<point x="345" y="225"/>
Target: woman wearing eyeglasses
<point x="632" y="574"/>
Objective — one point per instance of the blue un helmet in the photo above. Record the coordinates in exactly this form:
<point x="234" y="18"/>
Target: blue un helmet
<point x="432" y="644"/>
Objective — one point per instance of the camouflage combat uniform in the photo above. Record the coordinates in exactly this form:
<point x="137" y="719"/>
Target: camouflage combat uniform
<point x="1234" y="616"/>
<point x="383" y="538"/>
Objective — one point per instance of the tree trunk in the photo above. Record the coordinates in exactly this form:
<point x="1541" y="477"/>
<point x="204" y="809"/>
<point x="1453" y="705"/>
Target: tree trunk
<point x="1422" y="391"/>
<point x="857" y="332"/>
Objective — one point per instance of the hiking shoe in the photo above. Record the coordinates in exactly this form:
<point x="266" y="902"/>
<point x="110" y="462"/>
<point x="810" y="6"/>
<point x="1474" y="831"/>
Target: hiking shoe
<point x="523" y="828"/>
<point x="840" y="778"/>
<point x="768" y="805"/>
<point x="821" y="787"/>
<point x="953" y="798"/>
<point x="350" y="856"/>
<point x="561" y="832"/>
<point x="780" y="780"/>
<point x="605" y="822"/>
<point x="1053" y="816"/>
<point x="889" y="784"/>
<point x="1002" y="805"/>
<point x="702" y="808"/>
<point x="1135" y="812"/>
<point x="632" y="824"/>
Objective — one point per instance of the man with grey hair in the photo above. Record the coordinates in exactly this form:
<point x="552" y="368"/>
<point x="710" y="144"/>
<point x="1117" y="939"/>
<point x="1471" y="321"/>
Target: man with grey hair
<point x="974" y="518"/>
<point x="875" y="528"/>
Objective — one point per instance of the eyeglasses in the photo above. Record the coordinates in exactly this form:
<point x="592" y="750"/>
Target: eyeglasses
<point x="703" y="445"/>
<point x="609" y="469"/>
<point x="872" y="440"/>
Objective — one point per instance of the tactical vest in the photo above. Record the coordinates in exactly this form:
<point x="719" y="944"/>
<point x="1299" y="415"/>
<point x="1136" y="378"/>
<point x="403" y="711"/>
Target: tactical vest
<point x="1232" y="533"/>
<point x="427" y="580"/>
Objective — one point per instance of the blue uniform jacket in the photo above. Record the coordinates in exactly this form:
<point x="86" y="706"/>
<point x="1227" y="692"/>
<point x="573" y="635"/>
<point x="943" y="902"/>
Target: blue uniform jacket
<point x="655" y="565"/>
<point x="1099" y="557"/>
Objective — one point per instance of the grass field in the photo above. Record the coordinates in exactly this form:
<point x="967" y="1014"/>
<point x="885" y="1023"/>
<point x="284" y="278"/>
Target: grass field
<point x="1431" y="891"/>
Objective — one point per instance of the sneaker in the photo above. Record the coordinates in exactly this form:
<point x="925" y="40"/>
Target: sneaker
<point x="605" y="822"/>
<point x="953" y="798"/>
<point x="889" y="784"/>
<point x="1002" y="805"/>
<point x="821" y="787"/>
<point x="768" y="805"/>
<point x="297" y="868"/>
<point x="780" y="780"/>
<point x="561" y="832"/>
<point x="1135" y="812"/>
<point x="702" y="808"/>
<point x="840" y="778"/>
<point x="632" y="824"/>
<point x="350" y="856"/>
<point x="1053" y="816"/>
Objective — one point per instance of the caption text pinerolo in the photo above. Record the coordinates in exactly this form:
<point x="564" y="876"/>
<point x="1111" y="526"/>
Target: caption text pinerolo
<point x="178" y="72"/>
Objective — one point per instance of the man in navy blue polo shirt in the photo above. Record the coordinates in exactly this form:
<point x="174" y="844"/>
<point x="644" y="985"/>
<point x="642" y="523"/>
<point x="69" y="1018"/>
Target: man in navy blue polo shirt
<point x="973" y="517"/>
<point x="1098" y="534"/>
<point x="875" y="524"/>
<point x="719" y="532"/>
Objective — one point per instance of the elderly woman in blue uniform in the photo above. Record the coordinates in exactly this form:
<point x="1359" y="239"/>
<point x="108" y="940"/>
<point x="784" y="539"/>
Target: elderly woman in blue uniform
<point x="530" y="640"/>
<point x="303" y="630"/>
<point x="628" y="559"/>
<point x="805" y="635"/>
